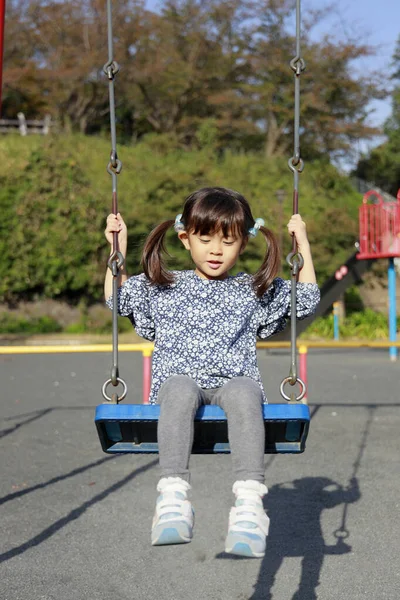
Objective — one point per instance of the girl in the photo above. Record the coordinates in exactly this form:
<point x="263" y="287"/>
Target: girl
<point x="204" y="323"/>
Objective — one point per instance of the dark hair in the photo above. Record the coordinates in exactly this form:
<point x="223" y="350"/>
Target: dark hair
<point x="205" y="212"/>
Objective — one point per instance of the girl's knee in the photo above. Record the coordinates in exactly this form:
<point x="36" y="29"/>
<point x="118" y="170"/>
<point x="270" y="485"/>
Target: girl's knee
<point x="243" y="395"/>
<point x="244" y="388"/>
<point x="178" y="387"/>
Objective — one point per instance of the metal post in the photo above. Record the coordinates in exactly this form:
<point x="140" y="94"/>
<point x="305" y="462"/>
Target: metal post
<point x="146" y="374"/>
<point x="303" y="350"/>
<point x="392" y="309"/>
<point x="336" y="321"/>
<point x="2" y="20"/>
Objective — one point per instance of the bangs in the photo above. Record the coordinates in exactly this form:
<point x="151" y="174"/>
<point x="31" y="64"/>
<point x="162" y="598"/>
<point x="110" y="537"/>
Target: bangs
<point x="217" y="211"/>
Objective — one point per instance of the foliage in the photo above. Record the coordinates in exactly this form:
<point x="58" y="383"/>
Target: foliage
<point x="46" y="245"/>
<point x="55" y="194"/>
<point x="224" y="60"/>
<point x="382" y="164"/>
<point x="11" y="324"/>
<point x="366" y="325"/>
<point x="85" y="325"/>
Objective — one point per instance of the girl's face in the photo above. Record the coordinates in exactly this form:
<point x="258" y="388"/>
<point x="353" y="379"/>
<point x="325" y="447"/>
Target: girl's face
<point x="214" y="255"/>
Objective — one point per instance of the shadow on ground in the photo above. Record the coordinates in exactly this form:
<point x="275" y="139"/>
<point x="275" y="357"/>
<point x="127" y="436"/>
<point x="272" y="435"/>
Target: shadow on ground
<point x="295" y="511"/>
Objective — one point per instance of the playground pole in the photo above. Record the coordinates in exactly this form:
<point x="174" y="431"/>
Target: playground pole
<point x="392" y="309"/>
<point x="336" y="321"/>
<point x="2" y="19"/>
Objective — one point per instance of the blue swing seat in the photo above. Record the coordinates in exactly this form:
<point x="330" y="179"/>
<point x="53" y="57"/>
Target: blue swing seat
<point x="133" y="428"/>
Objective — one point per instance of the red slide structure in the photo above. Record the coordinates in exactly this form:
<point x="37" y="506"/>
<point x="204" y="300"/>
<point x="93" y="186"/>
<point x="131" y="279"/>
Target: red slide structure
<point x="379" y="227"/>
<point x="379" y="221"/>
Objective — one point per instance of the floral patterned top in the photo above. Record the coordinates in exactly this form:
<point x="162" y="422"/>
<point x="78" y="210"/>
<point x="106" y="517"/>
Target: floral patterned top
<point x="207" y="329"/>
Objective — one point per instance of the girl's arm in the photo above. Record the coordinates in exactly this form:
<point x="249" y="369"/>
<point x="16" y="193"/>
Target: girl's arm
<point x="115" y="223"/>
<point x="297" y="227"/>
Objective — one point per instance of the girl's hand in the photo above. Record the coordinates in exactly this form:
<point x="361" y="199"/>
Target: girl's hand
<point x="115" y="223"/>
<point x="297" y="227"/>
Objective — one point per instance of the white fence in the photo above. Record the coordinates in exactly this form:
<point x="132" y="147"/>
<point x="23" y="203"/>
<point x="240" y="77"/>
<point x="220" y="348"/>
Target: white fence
<point x="25" y="126"/>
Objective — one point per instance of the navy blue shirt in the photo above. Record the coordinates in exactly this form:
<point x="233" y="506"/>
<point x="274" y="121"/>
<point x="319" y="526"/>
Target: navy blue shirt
<point x="207" y="329"/>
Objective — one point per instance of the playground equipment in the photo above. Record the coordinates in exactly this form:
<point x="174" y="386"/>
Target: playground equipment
<point x="379" y="235"/>
<point x="133" y="428"/>
<point x="379" y="222"/>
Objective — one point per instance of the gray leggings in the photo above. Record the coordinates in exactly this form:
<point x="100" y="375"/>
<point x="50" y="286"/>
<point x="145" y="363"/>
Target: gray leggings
<point x="241" y="400"/>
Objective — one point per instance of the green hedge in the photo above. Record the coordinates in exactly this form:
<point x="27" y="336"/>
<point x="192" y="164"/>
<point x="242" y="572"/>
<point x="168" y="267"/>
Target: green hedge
<point x="12" y="324"/>
<point x="366" y="325"/>
<point x="55" y="194"/>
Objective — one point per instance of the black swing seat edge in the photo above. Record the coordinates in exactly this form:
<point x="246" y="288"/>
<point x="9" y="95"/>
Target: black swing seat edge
<point x="132" y="428"/>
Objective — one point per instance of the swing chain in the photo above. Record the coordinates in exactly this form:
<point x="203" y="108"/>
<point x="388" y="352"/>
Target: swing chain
<point x="111" y="68"/>
<point x="298" y="65"/>
<point x="115" y="262"/>
<point x="116" y="259"/>
<point x="295" y="259"/>
<point x="114" y="167"/>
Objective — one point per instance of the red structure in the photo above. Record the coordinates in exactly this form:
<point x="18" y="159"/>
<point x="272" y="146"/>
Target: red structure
<point x="379" y="227"/>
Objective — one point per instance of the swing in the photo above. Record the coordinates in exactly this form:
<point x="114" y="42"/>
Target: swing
<point x="132" y="428"/>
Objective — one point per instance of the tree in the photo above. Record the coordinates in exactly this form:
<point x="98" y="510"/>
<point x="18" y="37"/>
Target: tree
<point x="195" y="62"/>
<point x="21" y="80"/>
<point x="184" y="64"/>
<point x="334" y="99"/>
<point x="54" y="58"/>
<point x="382" y="165"/>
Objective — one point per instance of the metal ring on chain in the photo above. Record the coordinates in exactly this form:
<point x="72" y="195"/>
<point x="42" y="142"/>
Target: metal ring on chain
<point x="111" y="68"/>
<point x="302" y="385"/>
<point x="296" y="164"/>
<point x="119" y="398"/>
<point x="117" y="169"/>
<point x="117" y="257"/>
<point x="298" y="64"/>
<point x="290" y="257"/>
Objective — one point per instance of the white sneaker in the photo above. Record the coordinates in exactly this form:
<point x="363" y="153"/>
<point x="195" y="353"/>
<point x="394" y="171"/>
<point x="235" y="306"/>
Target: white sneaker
<point x="174" y="516"/>
<point x="248" y="523"/>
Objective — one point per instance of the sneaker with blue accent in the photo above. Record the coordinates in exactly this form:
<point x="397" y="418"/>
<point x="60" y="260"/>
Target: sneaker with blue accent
<point x="174" y="516"/>
<point x="248" y="522"/>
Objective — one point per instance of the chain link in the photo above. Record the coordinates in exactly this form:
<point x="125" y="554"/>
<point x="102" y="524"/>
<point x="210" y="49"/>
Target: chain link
<point x="295" y="259"/>
<point x="116" y="259"/>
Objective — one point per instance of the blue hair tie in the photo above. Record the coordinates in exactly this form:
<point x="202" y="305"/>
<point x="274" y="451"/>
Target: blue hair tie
<point x="178" y="225"/>
<point x="257" y="224"/>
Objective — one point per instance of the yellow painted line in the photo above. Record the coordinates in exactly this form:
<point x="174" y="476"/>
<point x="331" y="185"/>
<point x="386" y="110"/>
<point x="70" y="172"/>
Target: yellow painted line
<point x="147" y="349"/>
<point x="351" y="344"/>
<point x="59" y="349"/>
<point x="273" y="344"/>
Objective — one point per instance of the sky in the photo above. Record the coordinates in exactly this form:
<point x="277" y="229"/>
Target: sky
<point x="374" y="22"/>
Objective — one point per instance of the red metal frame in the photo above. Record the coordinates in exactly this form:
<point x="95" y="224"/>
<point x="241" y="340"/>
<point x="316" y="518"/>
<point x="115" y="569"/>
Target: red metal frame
<point x="2" y="19"/>
<point x="379" y="227"/>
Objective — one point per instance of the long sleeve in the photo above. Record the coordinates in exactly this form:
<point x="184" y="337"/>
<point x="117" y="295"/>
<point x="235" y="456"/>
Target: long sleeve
<point x="134" y="303"/>
<point x="274" y="307"/>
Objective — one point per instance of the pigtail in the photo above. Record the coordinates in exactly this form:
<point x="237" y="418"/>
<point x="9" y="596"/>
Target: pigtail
<point x="270" y="266"/>
<point x="152" y="260"/>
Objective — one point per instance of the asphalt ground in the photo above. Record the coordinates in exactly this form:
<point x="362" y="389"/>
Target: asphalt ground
<point x="75" y="522"/>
